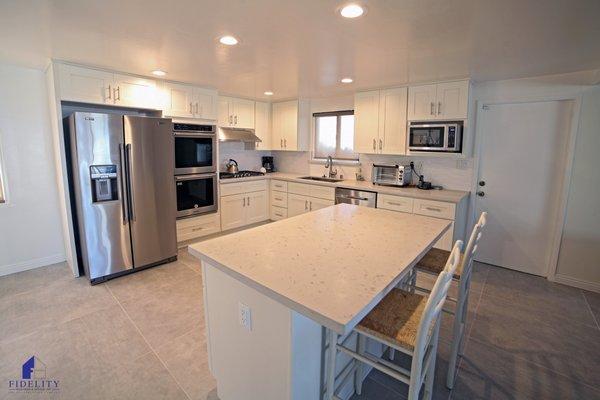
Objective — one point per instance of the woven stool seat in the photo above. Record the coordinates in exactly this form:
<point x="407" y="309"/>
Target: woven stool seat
<point x="434" y="262"/>
<point x="395" y="319"/>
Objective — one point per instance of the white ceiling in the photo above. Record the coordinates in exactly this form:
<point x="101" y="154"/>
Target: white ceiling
<point x="304" y="47"/>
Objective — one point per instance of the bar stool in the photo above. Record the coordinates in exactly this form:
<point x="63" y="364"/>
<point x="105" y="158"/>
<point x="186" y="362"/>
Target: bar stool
<point x="433" y="263"/>
<point x="406" y="322"/>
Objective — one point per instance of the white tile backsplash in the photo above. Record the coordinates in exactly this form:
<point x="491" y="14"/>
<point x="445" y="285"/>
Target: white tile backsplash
<point x="247" y="159"/>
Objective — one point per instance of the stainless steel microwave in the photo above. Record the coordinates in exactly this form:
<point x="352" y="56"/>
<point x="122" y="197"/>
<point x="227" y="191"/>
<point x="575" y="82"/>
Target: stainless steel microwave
<point x="435" y="136"/>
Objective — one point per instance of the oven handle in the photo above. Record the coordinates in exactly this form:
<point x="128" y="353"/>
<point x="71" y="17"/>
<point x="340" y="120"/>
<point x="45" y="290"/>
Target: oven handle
<point x="195" y="176"/>
<point x="194" y="134"/>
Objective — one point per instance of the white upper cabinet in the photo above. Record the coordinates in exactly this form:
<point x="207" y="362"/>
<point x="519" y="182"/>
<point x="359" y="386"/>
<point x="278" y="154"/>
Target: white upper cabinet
<point x="366" y="122"/>
<point x="85" y="85"/>
<point x="188" y="101"/>
<point x="101" y="87"/>
<point x="441" y="101"/>
<point x="236" y="113"/>
<point x="392" y="124"/>
<point x="380" y="121"/>
<point x="262" y="123"/>
<point x="290" y="126"/>
<point x="133" y="91"/>
<point x="453" y="100"/>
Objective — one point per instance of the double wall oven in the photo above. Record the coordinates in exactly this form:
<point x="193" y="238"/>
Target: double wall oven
<point x="195" y="168"/>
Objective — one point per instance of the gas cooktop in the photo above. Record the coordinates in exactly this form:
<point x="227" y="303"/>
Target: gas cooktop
<point x="240" y="174"/>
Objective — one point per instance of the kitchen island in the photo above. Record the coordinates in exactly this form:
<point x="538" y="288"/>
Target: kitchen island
<point x="272" y="293"/>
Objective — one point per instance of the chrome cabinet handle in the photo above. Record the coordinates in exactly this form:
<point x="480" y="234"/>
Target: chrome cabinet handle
<point x="433" y="209"/>
<point x="248" y="200"/>
<point x="197" y="229"/>
<point x="231" y="120"/>
<point x="305" y="205"/>
<point x="278" y="199"/>
<point x="244" y="202"/>
<point x="109" y="93"/>
<point x="374" y="144"/>
<point x="394" y="203"/>
<point x="439" y="107"/>
<point x="380" y="144"/>
<point x="117" y="93"/>
<point x="432" y="111"/>
<point x="235" y="120"/>
<point x="279" y="215"/>
<point x="310" y="205"/>
<point x="191" y="110"/>
<point x="281" y="143"/>
<point x="285" y="143"/>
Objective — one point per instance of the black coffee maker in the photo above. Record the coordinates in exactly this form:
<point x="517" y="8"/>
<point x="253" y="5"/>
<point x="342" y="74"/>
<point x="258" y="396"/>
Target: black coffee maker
<point x="267" y="163"/>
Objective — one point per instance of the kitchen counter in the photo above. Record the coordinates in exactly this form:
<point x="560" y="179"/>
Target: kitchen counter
<point x="452" y="196"/>
<point x="338" y="262"/>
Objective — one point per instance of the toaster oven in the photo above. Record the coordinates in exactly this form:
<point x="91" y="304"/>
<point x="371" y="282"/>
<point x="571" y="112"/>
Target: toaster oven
<point x="392" y="175"/>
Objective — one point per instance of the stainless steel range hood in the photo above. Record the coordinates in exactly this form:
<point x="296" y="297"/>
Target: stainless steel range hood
<point x="237" y="135"/>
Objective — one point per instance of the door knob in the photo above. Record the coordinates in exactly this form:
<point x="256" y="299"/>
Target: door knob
<point x="480" y="193"/>
<point x="481" y="183"/>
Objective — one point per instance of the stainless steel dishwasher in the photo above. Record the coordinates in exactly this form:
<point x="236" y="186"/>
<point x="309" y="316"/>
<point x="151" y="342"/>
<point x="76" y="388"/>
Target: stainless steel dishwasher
<point x="357" y="197"/>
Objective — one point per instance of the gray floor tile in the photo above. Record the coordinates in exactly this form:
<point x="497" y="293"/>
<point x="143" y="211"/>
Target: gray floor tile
<point x="487" y="373"/>
<point x="166" y="316"/>
<point x="147" y="378"/>
<point x="186" y="357"/>
<point x="569" y="348"/>
<point x="34" y="279"/>
<point x="593" y="300"/>
<point x="373" y="390"/>
<point x="186" y="258"/>
<point x="25" y="313"/>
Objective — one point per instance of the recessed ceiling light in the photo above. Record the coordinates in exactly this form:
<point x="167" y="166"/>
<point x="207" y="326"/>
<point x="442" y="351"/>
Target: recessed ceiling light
<point x="268" y="93"/>
<point x="347" y="80"/>
<point x="228" y="40"/>
<point x="158" y="72"/>
<point x="352" y="11"/>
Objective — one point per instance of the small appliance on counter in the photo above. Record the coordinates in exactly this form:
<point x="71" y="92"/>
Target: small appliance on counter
<point x="423" y="184"/>
<point x="267" y="163"/>
<point x="392" y="175"/>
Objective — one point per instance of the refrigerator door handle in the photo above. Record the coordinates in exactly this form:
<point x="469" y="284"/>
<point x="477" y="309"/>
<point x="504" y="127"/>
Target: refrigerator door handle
<point x="129" y="180"/>
<point x="123" y="191"/>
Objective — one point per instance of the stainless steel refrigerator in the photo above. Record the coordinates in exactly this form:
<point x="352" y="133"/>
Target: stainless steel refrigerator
<point x="123" y="192"/>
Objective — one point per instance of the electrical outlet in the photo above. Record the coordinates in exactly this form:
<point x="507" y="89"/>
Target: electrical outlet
<point x="245" y="316"/>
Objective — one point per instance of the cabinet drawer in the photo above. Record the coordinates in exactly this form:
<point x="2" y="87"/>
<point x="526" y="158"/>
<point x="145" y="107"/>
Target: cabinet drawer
<point x="228" y="189"/>
<point x="436" y="209"/>
<point x="299" y="188"/>
<point x="280" y="186"/>
<point x="190" y="228"/>
<point x="278" y="213"/>
<point x="322" y="192"/>
<point x="278" y="199"/>
<point x="395" y="203"/>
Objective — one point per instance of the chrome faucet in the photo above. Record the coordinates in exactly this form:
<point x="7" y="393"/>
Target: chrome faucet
<point x="329" y="164"/>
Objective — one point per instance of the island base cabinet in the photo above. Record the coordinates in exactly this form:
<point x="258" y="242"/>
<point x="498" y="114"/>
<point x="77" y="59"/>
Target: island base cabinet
<point x="278" y="357"/>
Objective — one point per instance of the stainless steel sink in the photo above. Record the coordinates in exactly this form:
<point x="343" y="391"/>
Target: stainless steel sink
<point x="321" y="178"/>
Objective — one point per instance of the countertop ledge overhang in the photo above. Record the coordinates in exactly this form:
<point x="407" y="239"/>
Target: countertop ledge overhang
<point x="451" y="196"/>
<point x="332" y="265"/>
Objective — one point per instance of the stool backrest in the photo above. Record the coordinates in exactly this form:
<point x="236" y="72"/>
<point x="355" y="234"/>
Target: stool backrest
<point x="471" y="250"/>
<point x="436" y="300"/>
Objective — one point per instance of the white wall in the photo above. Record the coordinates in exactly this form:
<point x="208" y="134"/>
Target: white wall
<point x="30" y="225"/>
<point x="247" y="159"/>
<point x="579" y="257"/>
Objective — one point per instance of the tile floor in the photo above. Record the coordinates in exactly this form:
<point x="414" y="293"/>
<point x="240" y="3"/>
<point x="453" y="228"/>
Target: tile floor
<point x="142" y="337"/>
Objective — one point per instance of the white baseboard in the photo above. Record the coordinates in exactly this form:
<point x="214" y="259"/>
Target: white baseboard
<point x="31" y="264"/>
<point x="578" y="283"/>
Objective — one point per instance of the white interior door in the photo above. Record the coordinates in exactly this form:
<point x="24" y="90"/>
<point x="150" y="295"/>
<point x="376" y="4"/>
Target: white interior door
<point x="521" y="161"/>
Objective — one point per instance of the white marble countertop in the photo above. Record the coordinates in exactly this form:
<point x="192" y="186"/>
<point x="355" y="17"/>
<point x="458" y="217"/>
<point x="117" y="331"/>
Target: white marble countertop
<point x="452" y="196"/>
<point x="332" y="265"/>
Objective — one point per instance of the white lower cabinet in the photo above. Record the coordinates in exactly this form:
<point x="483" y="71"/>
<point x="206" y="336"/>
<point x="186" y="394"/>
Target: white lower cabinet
<point x="243" y="203"/>
<point x="315" y="204"/>
<point x="299" y="204"/>
<point x="195" y="227"/>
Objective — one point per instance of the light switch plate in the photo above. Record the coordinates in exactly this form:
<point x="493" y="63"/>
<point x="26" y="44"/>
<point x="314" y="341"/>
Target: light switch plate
<point x="245" y="316"/>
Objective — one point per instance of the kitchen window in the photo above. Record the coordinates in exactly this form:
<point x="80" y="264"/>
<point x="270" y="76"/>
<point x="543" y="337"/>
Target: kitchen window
<point x="334" y="135"/>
